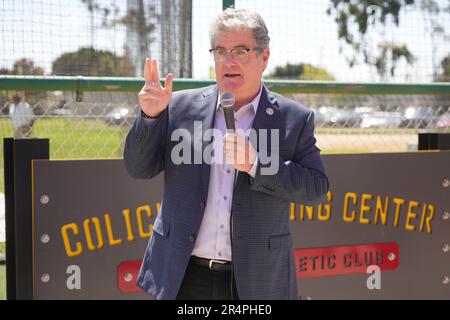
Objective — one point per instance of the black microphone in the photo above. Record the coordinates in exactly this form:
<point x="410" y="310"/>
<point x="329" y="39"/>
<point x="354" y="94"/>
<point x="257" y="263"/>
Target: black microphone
<point x="227" y="102"/>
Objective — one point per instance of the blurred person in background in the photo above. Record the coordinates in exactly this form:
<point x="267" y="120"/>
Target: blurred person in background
<point x="22" y="117"/>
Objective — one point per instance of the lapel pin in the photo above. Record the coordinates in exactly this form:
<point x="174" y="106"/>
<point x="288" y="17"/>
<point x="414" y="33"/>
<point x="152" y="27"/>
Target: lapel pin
<point x="269" y="111"/>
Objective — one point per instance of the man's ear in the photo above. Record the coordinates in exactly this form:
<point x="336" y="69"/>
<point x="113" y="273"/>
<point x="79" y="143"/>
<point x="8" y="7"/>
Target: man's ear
<point x="265" y="57"/>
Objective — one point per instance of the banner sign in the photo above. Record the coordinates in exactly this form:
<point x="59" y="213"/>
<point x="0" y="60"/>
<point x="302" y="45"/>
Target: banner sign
<point x="382" y="233"/>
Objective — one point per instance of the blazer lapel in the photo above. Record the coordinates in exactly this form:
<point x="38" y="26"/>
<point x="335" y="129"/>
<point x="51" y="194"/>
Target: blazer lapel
<point x="207" y="108"/>
<point x="265" y="118"/>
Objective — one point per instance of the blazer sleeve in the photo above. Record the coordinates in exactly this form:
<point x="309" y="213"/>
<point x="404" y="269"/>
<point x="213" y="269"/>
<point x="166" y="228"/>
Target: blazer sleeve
<point x="301" y="179"/>
<point x="145" y="147"/>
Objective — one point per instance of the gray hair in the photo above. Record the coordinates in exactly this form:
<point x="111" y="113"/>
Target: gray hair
<point x="237" y="19"/>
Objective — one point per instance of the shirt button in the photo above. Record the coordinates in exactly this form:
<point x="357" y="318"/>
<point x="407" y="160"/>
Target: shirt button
<point x="228" y="170"/>
<point x="202" y="205"/>
<point x="191" y="238"/>
<point x="220" y="254"/>
<point x="224" y="197"/>
<point x="222" y="226"/>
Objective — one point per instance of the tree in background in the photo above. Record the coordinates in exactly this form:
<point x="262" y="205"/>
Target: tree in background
<point x="431" y="11"/>
<point x="23" y="66"/>
<point x="91" y="62"/>
<point x="300" y="71"/>
<point x="363" y="24"/>
<point x="315" y="73"/>
<point x="445" y="76"/>
<point x="138" y="25"/>
<point x="357" y="22"/>
<point x="175" y="23"/>
<point x="171" y="20"/>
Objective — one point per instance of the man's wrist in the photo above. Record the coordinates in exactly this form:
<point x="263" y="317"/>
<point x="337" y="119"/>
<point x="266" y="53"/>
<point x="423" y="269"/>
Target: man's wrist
<point x="145" y="116"/>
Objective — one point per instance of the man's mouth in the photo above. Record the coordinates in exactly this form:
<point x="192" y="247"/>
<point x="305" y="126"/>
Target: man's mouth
<point x="231" y="75"/>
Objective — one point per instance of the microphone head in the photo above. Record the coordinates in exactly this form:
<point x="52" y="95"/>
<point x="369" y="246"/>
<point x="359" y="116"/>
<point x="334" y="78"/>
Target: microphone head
<point x="227" y="100"/>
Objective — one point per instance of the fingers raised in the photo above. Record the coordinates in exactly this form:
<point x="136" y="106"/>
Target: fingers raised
<point x="148" y="70"/>
<point x="151" y="77"/>
<point x="155" y="73"/>
<point x="169" y="83"/>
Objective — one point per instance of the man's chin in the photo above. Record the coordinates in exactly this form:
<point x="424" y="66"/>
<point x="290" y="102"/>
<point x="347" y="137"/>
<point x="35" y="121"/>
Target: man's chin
<point x="230" y="87"/>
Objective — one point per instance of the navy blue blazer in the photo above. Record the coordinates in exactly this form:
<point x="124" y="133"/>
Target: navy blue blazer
<point x="262" y="254"/>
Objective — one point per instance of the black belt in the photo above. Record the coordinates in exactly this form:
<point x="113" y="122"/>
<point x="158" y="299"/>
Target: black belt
<point x="211" y="264"/>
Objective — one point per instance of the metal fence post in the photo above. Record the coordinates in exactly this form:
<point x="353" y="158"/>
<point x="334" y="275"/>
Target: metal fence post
<point x="18" y="155"/>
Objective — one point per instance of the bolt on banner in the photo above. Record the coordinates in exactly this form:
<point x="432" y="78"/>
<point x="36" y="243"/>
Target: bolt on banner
<point x="383" y="219"/>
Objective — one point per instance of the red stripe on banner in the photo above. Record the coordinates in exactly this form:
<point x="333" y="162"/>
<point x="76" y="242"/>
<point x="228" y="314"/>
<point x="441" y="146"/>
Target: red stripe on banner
<point x="127" y="273"/>
<point x="309" y="262"/>
<point x="332" y="261"/>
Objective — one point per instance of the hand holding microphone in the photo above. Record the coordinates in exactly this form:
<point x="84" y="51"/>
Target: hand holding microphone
<point x="238" y="150"/>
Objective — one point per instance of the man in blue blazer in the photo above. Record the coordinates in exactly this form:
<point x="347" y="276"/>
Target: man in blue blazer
<point x="223" y="230"/>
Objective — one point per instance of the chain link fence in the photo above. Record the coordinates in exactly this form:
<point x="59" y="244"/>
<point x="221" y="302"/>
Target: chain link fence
<point x="108" y="38"/>
<point x="97" y="126"/>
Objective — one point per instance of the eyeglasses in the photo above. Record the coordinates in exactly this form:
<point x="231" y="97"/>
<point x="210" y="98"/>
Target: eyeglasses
<point x="238" y="54"/>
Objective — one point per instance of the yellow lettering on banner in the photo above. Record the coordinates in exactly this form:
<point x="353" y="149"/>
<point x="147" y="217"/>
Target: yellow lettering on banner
<point x="65" y="236"/>
<point x="309" y="212"/>
<point x="367" y="208"/>
<point x="93" y="236"/>
<point x="327" y="215"/>
<point x="346" y="217"/>
<point x="411" y="215"/>
<point x="398" y="202"/>
<point x="87" y="232"/>
<point x="380" y="211"/>
<point x="364" y="208"/>
<point x="126" y="214"/>
<point x="292" y="217"/>
<point x="109" y="231"/>
<point x="139" y="212"/>
<point x="427" y="218"/>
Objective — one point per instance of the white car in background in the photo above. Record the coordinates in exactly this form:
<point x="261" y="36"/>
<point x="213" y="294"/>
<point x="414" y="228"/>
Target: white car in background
<point x="381" y="119"/>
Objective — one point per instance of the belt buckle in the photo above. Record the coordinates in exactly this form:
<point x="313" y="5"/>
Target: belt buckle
<point x="212" y="261"/>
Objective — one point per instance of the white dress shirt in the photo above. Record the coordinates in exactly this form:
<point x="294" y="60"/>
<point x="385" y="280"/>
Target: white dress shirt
<point x="213" y="239"/>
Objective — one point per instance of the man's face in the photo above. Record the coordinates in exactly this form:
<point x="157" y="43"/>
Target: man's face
<point x="241" y="78"/>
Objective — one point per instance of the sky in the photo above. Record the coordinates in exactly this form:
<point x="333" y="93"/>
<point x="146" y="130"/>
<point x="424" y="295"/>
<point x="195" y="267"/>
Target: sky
<point x="300" y="31"/>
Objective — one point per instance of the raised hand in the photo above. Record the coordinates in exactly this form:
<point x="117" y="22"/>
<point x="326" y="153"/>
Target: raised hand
<point x="153" y="98"/>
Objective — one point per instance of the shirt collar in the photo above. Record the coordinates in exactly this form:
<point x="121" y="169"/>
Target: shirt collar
<point x="254" y="102"/>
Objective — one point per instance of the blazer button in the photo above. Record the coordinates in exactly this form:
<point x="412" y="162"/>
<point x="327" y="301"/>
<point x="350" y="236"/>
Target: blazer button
<point x="202" y="205"/>
<point x="191" y="238"/>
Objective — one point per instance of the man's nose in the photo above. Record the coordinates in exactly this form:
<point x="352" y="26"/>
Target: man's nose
<point x="229" y="60"/>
